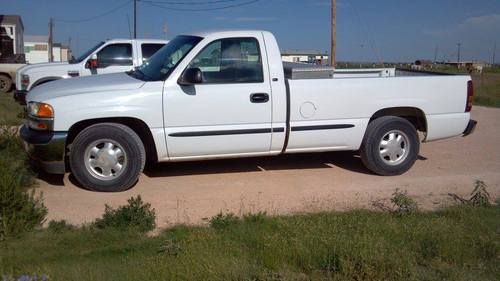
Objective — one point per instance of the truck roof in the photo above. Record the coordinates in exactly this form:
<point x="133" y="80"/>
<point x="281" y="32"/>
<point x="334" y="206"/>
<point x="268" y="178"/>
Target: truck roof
<point x="226" y="32"/>
<point x="137" y="40"/>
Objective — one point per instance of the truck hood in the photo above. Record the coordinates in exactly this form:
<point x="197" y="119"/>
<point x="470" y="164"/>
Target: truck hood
<point x="39" y="67"/>
<point x="83" y="85"/>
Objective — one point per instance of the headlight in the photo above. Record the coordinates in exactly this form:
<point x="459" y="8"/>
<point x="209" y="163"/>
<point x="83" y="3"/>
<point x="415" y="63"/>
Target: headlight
<point x="40" y="116"/>
<point x="25" y="81"/>
<point x="41" y="110"/>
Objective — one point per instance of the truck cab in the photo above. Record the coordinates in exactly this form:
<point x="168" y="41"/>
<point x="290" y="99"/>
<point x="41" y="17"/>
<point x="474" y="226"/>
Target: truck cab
<point x="111" y="56"/>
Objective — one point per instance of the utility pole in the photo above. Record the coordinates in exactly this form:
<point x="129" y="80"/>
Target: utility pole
<point x="333" y="50"/>
<point x="494" y="53"/>
<point x="436" y="53"/>
<point x="129" y="29"/>
<point x="165" y="31"/>
<point x="458" y="54"/>
<point x="51" y="40"/>
<point x="135" y="19"/>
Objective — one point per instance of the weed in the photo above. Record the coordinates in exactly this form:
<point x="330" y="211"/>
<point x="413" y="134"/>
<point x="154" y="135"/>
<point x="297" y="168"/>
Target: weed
<point x="60" y="226"/>
<point x="478" y="198"/>
<point x="136" y="215"/>
<point x="171" y="247"/>
<point x="403" y="204"/>
<point x="21" y="209"/>
<point x="255" y="218"/>
<point x="221" y="221"/>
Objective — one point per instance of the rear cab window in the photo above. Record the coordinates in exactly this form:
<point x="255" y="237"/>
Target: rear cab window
<point x="118" y="54"/>
<point x="149" y="49"/>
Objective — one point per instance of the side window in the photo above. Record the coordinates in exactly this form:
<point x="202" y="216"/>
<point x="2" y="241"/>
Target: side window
<point x="115" y="54"/>
<point x="149" y="49"/>
<point x="231" y="60"/>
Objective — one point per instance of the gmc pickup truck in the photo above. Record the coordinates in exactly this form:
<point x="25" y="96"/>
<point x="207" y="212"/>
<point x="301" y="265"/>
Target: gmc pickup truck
<point x="227" y="94"/>
<point x="111" y="56"/>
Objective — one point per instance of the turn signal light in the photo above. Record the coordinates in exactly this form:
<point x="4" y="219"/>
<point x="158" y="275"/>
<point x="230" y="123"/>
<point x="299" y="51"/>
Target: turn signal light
<point x="45" y="111"/>
<point x="42" y="126"/>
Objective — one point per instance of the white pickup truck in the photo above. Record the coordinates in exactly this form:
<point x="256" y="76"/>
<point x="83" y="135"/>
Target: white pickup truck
<point x="227" y="94"/>
<point x="110" y="56"/>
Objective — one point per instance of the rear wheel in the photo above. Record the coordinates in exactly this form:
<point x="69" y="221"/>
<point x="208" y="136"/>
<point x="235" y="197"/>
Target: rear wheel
<point x="390" y="146"/>
<point x="5" y="83"/>
<point x="107" y="157"/>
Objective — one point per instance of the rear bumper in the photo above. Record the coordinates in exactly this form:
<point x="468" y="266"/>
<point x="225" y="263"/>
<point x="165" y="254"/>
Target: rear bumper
<point x="470" y="128"/>
<point x="47" y="149"/>
<point x="20" y="96"/>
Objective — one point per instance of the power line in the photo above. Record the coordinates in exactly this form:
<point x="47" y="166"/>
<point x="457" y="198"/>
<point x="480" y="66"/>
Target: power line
<point x="151" y="3"/>
<point x="96" y="16"/>
<point x="364" y="28"/>
<point x="189" y="2"/>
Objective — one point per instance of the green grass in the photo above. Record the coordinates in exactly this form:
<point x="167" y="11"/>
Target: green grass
<point x="10" y="111"/>
<point x="460" y="243"/>
<point x="487" y="89"/>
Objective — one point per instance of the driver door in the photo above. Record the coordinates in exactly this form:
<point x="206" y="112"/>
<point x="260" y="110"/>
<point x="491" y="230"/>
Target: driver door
<point x="229" y="112"/>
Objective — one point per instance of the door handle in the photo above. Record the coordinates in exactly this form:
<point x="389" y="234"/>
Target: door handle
<point x="259" y="98"/>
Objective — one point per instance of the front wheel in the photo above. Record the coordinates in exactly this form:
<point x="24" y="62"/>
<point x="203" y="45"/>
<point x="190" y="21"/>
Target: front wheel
<point x="390" y="146"/>
<point x="5" y="84"/>
<point x="107" y="157"/>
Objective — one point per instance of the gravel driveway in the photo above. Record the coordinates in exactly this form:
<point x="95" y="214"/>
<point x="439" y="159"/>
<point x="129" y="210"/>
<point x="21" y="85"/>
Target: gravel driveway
<point x="191" y="192"/>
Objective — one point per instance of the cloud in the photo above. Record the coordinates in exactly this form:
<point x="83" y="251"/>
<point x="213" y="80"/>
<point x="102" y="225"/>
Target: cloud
<point x="470" y="26"/>
<point x="476" y="34"/>
<point x="487" y="20"/>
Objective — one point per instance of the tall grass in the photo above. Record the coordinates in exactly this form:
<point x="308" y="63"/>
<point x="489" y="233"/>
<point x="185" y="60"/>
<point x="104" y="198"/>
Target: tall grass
<point x="21" y="210"/>
<point x="460" y="243"/>
<point x="10" y="111"/>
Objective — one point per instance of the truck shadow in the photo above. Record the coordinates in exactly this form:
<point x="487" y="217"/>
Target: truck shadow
<point x="344" y="160"/>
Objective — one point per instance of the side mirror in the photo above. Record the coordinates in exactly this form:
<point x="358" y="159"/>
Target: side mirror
<point x="191" y="76"/>
<point x="92" y="62"/>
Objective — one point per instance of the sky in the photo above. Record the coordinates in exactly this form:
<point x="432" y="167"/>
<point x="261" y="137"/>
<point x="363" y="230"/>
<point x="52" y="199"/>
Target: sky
<point x="367" y="30"/>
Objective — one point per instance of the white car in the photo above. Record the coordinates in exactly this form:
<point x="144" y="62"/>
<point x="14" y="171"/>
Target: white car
<point x="111" y="56"/>
<point x="227" y="94"/>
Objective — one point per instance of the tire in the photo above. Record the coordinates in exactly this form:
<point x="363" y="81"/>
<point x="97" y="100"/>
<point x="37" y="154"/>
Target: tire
<point x="5" y="83"/>
<point x="390" y="147"/>
<point x="107" y="157"/>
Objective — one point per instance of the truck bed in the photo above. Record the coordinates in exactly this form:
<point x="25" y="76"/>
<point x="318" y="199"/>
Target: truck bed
<point x="296" y="71"/>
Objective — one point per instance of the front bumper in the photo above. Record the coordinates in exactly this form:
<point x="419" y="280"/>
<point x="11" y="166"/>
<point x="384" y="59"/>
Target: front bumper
<point x="20" y="96"/>
<point x="470" y="128"/>
<point x="47" y="149"/>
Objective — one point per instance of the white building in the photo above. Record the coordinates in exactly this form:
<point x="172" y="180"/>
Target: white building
<point x="11" y="35"/>
<point x="36" y="49"/>
<point x="305" y="56"/>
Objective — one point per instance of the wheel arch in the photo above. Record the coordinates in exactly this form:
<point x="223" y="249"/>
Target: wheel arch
<point x="45" y="80"/>
<point x="8" y="75"/>
<point x="137" y="125"/>
<point x="414" y="115"/>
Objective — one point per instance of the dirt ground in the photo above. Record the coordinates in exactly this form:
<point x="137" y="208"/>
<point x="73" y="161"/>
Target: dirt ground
<point x="192" y="192"/>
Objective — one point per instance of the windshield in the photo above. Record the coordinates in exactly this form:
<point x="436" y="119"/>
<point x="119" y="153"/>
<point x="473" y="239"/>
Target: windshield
<point x="163" y="62"/>
<point x="87" y="53"/>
